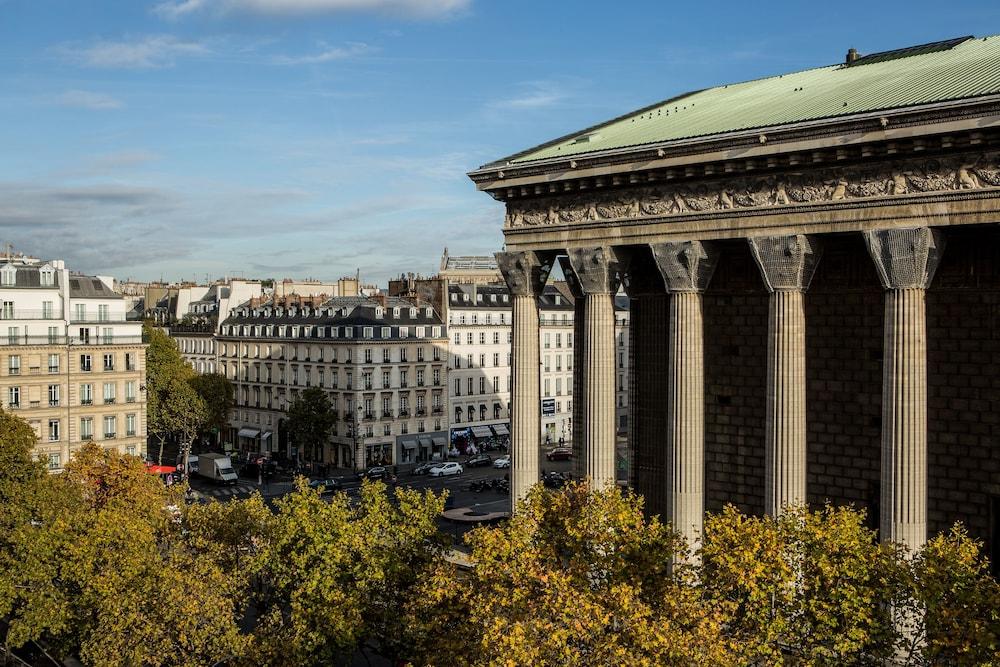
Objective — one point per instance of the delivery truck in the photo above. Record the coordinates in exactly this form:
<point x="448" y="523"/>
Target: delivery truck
<point x="217" y="467"/>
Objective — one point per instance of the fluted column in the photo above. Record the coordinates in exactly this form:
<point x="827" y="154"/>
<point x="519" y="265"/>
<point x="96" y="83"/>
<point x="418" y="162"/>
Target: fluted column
<point x="787" y="264"/>
<point x="596" y="274"/>
<point x="906" y="260"/>
<point x="687" y="268"/>
<point x="525" y="274"/>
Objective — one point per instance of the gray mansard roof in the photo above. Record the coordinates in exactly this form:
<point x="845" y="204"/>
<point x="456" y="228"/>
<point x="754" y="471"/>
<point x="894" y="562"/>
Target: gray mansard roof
<point x="338" y="314"/>
<point x="88" y="287"/>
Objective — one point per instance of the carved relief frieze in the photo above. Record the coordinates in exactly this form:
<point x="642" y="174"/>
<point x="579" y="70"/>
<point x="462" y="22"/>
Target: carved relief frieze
<point x="824" y="185"/>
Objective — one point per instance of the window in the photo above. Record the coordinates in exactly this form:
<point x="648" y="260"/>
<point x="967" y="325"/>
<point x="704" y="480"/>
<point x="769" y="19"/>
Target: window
<point x="80" y="312"/>
<point x="53" y="395"/>
<point x="130" y="391"/>
<point x="558" y="340"/>
<point x="368" y="380"/>
<point x="53" y="335"/>
<point x="13" y="335"/>
<point x="55" y="461"/>
<point x="53" y="363"/>
<point x="109" y="362"/>
<point x="109" y="393"/>
<point x="107" y="336"/>
<point x="86" y="428"/>
<point x="386" y="379"/>
<point x="496" y="383"/>
<point x="53" y="430"/>
<point x="458" y="415"/>
<point x="130" y="450"/>
<point x="510" y="337"/>
<point x="402" y="354"/>
<point x="482" y="338"/>
<point x="471" y="412"/>
<point x="437" y="377"/>
<point x="129" y="425"/>
<point x="86" y="394"/>
<point x="102" y="313"/>
<point x="469" y="338"/>
<point x="130" y="364"/>
<point x="8" y="275"/>
<point x="403" y="382"/>
<point x="420" y="377"/>
<point x="85" y="363"/>
<point x="367" y="333"/>
<point x="469" y="384"/>
<point x="14" y="364"/>
<point x="46" y="310"/>
<point x="482" y="385"/>
<point x="496" y="337"/>
<point x="496" y="411"/>
<point x="14" y="397"/>
<point x="386" y="357"/>
<point x="368" y="355"/>
<point x="458" y="338"/>
<point x="458" y="386"/>
<point x="109" y="428"/>
<point x="8" y="310"/>
<point x="386" y="429"/>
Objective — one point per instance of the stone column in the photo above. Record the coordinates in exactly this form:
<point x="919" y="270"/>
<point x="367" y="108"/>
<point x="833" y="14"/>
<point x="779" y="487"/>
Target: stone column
<point x="648" y="372"/>
<point x="579" y="369"/>
<point x="596" y="273"/>
<point x="525" y="274"/>
<point x="906" y="260"/>
<point x="787" y="264"/>
<point x="687" y="268"/>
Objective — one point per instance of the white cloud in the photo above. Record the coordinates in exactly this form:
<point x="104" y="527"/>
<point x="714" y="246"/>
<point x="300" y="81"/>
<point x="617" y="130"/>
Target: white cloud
<point x="534" y="95"/>
<point x="86" y="99"/>
<point x="425" y="9"/>
<point x="327" y="55"/>
<point x="140" y="53"/>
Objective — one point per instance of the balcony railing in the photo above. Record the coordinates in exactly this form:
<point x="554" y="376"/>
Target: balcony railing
<point x="404" y="413"/>
<point x="437" y="410"/>
<point x="30" y="314"/>
<point x="109" y="436"/>
<point x="421" y="412"/>
<point x="86" y="401"/>
<point x="108" y="401"/>
<point x="71" y="340"/>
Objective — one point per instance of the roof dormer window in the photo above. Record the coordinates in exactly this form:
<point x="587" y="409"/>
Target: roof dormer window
<point x="395" y="312"/>
<point x="8" y="275"/>
<point x="379" y="313"/>
<point x="413" y="313"/>
<point x="47" y="275"/>
<point x="428" y="312"/>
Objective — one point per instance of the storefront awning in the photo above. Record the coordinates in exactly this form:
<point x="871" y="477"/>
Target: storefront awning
<point x="425" y="441"/>
<point x="501" y="429"/>
<point x="249" y="432"/>
<point x="266" y="435"/>
<point x="482" y="432"/>
<point x="439" y="440"/>
<point x="408" y="443"/>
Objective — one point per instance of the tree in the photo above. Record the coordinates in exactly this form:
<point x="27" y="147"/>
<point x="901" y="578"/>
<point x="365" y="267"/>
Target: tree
<point x="578" y="577"/>
<point x="174" y="407"/>
<point x="217" y="393"/>
<point x="813" y="587"/>
<point x="112" y="578"/>
<point x="310" y="419"/>
<point x="338" y="576"/>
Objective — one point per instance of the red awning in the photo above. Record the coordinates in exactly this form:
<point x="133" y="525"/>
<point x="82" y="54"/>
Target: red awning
<point x="160" y="470"/>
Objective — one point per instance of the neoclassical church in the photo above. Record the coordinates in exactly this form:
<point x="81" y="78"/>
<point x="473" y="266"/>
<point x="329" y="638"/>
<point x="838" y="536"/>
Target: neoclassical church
<point x="813" y="266"/>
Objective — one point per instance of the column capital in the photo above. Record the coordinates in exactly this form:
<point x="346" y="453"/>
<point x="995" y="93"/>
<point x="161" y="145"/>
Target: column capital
<point x="686" y="266"/>
<point x="787" y="263"/>
<point x="596" y="269"/>
<point x="905" y="258"/>
<point x="524" y="271"/>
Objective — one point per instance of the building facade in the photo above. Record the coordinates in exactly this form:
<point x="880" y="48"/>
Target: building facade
<point x="72" y="366"/>
<point x="799" y="330"/>
<point x="382" y="362"/>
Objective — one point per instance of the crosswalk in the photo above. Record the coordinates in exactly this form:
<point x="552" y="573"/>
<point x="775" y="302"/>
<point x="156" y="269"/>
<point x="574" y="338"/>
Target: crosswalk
<point x="225" y="491"/>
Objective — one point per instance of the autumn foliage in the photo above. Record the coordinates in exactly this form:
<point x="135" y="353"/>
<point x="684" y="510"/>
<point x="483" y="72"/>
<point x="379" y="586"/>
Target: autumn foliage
<point x="106" y="564"/>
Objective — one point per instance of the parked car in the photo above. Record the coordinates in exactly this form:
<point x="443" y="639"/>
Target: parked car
<point x="479" y="460"/>
<point x="560" y="454"/>
<point x="328" y="485"/>
<point x="554" y="480"/>
<point x="502" y="462"/>
<point x="425" y="468"/>
<point x="378" y="472"/>
<point x="445" y="469"/>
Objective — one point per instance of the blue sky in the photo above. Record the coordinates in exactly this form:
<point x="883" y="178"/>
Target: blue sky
<point x="299" y="138"/>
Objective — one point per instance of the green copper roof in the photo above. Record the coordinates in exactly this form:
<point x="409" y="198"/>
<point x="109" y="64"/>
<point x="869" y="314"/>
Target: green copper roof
<point x="950" y="70"/>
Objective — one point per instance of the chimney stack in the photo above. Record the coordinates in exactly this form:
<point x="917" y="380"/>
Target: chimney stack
<point x="852" y="55"/>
